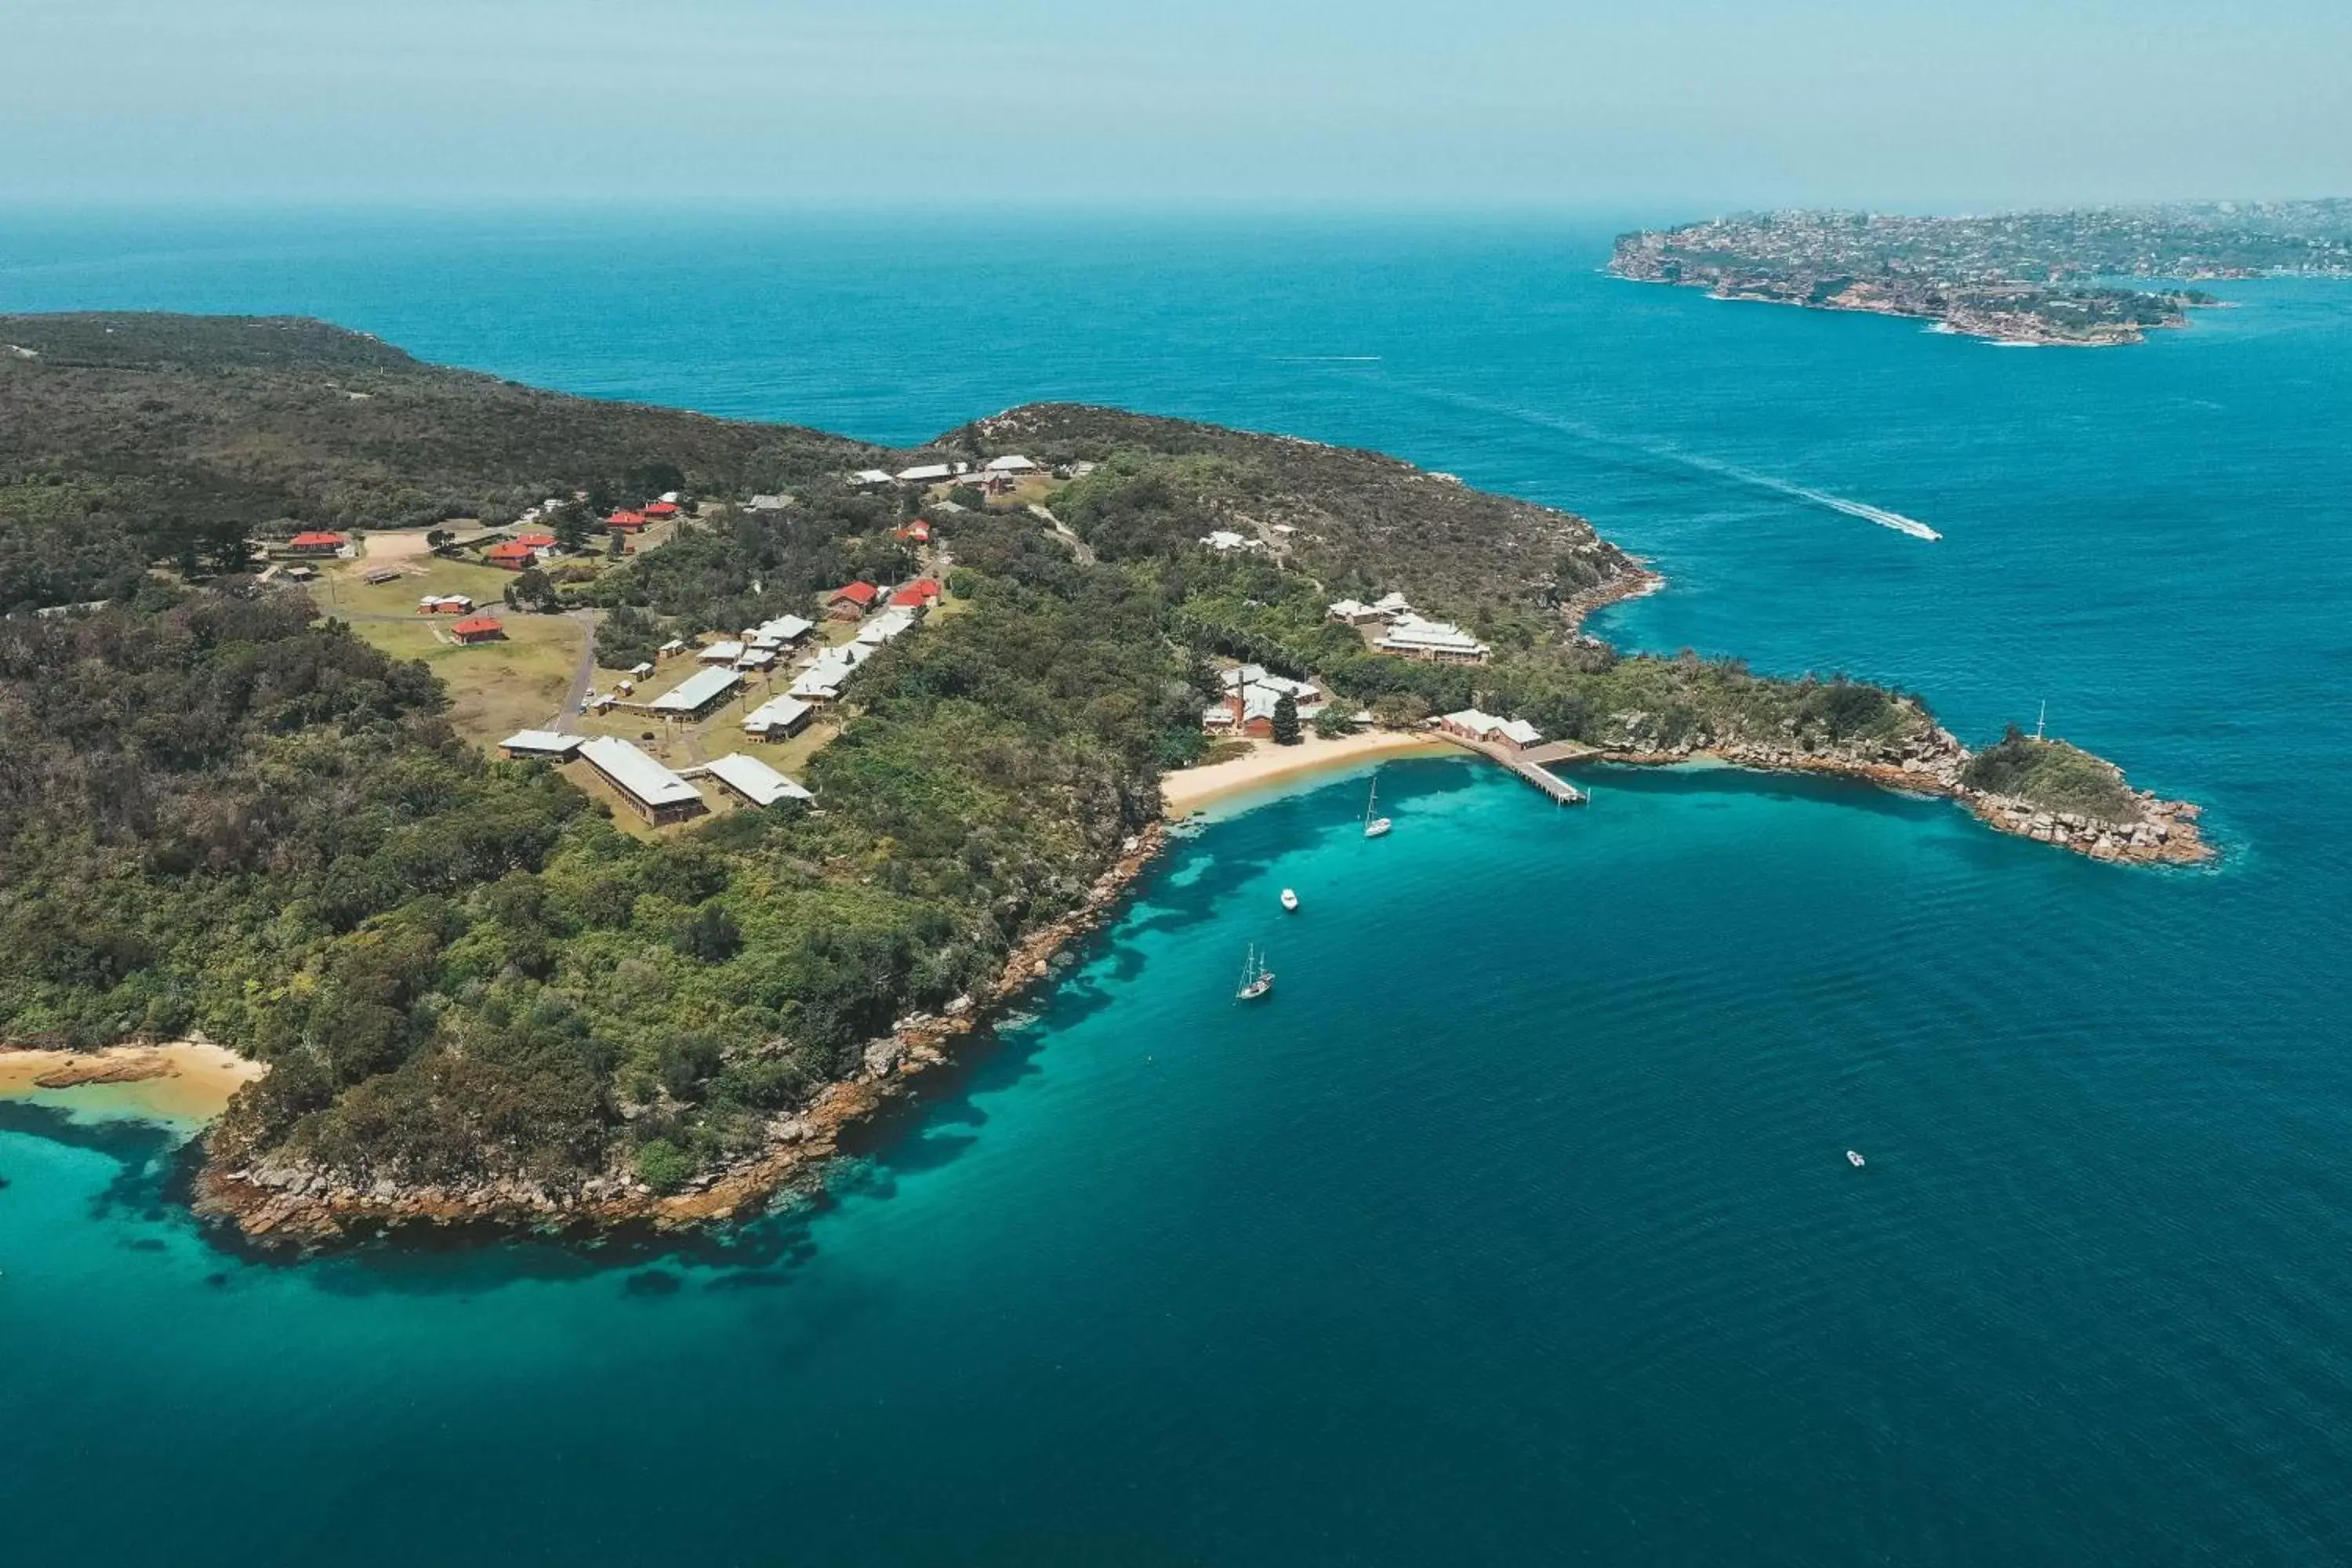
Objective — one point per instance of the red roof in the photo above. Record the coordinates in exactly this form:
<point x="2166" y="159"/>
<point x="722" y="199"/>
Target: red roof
<point x="301" y="540"/>
<point x="536" y="540"/>
<point x="512" y="550"/>
<point x="625" y="519"/>
<point x="478" y="625"/>
<point x="661" y="509"/>
<point x="921" y="591"/>
<point x="917" y="530"/>
<point x="856" y="594"/>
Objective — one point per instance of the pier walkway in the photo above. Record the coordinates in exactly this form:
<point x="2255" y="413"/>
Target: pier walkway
<point x="1530" y="764"/>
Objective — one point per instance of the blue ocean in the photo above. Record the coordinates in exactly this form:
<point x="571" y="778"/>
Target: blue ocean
<point x="1516" y="1226"/>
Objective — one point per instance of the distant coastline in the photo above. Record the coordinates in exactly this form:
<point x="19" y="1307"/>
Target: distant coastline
<point x="2020" y="279"/>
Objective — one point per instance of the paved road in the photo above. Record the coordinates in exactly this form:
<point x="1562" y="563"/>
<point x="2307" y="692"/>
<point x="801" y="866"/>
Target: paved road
<point x="586" y="668"/>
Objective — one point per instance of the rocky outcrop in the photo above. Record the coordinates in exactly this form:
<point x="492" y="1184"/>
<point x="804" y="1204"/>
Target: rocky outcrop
<point x="2161" y="832"/>
<point x="280" y="1202"/>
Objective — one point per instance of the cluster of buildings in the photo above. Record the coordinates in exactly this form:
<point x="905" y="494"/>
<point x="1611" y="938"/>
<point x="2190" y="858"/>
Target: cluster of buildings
<point x="651" y="788"/>
<point x="1403" y="631"/>
<point x="1252" y="694"/>
<point x="995" y="474"/>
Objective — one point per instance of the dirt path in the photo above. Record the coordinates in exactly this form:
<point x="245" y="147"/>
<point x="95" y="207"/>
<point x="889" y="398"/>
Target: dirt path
<point x="1079" y="547"/>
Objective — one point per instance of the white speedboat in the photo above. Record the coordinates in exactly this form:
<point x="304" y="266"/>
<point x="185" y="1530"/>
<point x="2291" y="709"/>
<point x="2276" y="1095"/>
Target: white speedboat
<point x="1854" y="1159"/>
<point x="1289" y="899"/>
<point x="1374" y="825"/>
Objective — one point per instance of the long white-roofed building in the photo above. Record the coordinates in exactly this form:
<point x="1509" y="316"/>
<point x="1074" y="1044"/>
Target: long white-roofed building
<point x="650" y="789"/>
<point x="778" y="719"/>
<point x="542" y="743"/>
<point x="754" y="779"/>
<point x="1442" y="641"/>
<point x="697" y="694"/>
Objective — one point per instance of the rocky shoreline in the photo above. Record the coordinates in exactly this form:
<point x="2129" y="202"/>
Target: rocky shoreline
<point x="2164" y="833"/>
<point x="282" y="1205"/>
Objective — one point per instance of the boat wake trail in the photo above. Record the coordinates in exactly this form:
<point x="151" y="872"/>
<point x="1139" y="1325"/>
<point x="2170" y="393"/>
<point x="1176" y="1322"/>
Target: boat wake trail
<point x="1877" y="514"/>
<point x="1674" y="457"/>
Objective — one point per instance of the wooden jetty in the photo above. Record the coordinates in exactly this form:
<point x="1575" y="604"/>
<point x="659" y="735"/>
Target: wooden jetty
<point x="1530" y="764"/>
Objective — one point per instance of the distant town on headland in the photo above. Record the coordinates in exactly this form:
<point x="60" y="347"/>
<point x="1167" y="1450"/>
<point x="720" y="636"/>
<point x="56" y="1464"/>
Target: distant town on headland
<point x="2026" y="278"/>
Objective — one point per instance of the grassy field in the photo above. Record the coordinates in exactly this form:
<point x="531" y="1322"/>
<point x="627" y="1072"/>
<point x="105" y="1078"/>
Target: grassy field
<point x="495" y="688"/>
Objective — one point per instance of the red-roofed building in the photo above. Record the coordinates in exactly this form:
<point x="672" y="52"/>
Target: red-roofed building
<point x="478" y="629"/>
<point x="656" y="510"/>
<point x="316" y="543"/>
<point x="536" y="540"/>
<point x="920" y="595"/>
<point x="513" y="555"/>
<point x="917" y="532"/>
<point x="626" y="521"/>
<point x="851" y="603"/>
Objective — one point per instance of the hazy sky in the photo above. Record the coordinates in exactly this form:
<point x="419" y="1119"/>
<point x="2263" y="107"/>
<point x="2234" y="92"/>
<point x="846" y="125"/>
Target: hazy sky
<point x="1643" y="102"/>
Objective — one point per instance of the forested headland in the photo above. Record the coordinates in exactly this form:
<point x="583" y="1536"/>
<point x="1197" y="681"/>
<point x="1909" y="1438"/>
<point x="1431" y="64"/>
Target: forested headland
<point x="227" y="814"/>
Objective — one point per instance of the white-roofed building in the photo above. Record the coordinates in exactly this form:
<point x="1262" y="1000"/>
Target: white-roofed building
<point x="822" y="680"/>
<point x="775" y="503"/>
<point x="1391" y="605"/>
<point x="757" y="659"/>
<point x="932" y="473"/>
<point x="870" y="479"/>
<point x="651" y="790"/>
<point x="754" y="779"/>
<point x="697" y="693"/>
<point x="721" y="653"/>
<point x="1471" y="724"/>
<point x="1013" y="463"/>
<point x="1258" y="676"/>
<point x="782" y="632"/>
<point x="540" y="743"/>
<point x="778" y="719"/>
<point x="1442" y="641"/>
<point x="1225" y="541"/>
<point x="883" y="627"/>
<point x="1353" y="612"/>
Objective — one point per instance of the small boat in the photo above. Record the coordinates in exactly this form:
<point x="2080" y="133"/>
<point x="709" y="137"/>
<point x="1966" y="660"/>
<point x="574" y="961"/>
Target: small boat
<point x="1853" y="1159"/>
<point x="1374" y="825"/>
<point x="1257" y="978"/>
<point x="1289" y="899"/>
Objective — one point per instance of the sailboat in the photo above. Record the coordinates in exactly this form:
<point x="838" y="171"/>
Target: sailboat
<point x="1257" y="978"/>
<point x="1374" y="825"/>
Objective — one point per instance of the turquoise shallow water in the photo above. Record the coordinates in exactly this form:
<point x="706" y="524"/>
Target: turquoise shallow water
<point x="1515" y="1227"/>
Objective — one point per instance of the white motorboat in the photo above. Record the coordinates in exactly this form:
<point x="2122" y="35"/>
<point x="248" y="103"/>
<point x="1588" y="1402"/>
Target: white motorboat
<point x="1854" y="1159"/>
<point x="1289" y="899"/>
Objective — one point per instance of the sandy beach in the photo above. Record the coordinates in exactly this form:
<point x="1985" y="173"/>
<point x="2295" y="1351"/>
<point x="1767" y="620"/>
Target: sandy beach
<point x="180" y="1080"/>
<point x="1188" y="790"/>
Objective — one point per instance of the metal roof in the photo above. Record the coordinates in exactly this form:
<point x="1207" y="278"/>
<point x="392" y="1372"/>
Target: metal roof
<point x="542" y="742"/>
<point x="774" y="712"/>
<point x="696" y="692"/>
<point x="631" y="770"/>
<point x="755" y="779"/>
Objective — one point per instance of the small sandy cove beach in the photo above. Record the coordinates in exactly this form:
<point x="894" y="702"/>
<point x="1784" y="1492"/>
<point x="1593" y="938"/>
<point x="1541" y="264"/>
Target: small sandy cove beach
<point x="185" y="1080"/>
<point x="1188" y="790"/>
